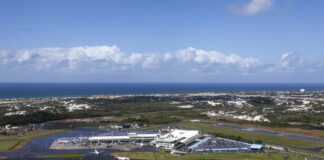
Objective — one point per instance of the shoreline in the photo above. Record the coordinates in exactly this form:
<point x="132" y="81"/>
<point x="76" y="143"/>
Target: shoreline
<point x="220" y="93"/>
<point x="76" y="90"/>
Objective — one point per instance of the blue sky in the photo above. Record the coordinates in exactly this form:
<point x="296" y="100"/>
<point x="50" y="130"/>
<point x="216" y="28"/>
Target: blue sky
<point x="161" y="41"/>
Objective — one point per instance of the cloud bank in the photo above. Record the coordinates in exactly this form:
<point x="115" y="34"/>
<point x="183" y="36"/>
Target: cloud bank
<point x="252" y="7"/>
<point x="111" y="61"/>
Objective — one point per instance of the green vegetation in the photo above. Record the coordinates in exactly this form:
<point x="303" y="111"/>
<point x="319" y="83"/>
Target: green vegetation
<point x="284" y="122"/>
<point x="6" y="145"/>
<point x="159" y="112"/>
<point x="297" y="131"/>
<point x="36" y="117"/>
<point x="234" y="137"/>
<point x="154" y="120"/>
<point x="152" y="127"/>
<point x="148" y="121"/>
<point x="234" y="156"/>
<point x="318" y="154"/>
<point x="62" y="156"/>
<point x="17" y="142"/>
<point x="267" y="138"/>
<point x="277" y="112"/>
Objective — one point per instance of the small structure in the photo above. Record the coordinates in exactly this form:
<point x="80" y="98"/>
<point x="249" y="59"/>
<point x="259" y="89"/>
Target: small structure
<point x="121" y="126"/>
<point x="64" y="141"/>
<point x="276" y="147"/>
<point x="256" y="147"/>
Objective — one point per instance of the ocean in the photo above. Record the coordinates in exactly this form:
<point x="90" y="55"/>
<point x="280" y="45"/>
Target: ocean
<point x="33" y="90"/>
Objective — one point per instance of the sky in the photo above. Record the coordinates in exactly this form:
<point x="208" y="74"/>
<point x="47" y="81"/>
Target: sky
<point x="244" y="41"/>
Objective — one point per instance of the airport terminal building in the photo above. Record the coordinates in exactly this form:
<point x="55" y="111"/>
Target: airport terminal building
<point x="168" y="139"/>
<point x="128" y="137"/>
<point x="177" y="137"/>
<point x="178" y="140"/>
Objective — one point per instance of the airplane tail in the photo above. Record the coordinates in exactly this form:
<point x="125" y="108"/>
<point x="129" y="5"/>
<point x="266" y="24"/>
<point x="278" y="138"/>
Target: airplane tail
<point x="115" y="157"/>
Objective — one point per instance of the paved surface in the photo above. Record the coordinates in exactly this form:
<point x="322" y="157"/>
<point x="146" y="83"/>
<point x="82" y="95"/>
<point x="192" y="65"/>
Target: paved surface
<point x="247" y="129"/>
<point x="265" y="131"/>
<point x="315" y="149"/>
<point x="40" y="146"/>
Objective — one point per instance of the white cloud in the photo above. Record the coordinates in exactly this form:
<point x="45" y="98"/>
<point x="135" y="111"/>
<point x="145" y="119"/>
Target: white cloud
<point x="292" y="63"/>
<point x="252" y="7"/>
<point x="208" y="58"/>
<point x="188" y="64"/>
<point x="112" y="59"/>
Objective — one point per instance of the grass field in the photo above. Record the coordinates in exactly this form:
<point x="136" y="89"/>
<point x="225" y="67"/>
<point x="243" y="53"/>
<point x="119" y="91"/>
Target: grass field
<point x="234" y="156"/>
<point x="287" y="141"/>
<point x="61" y="156"/>
<point x="152" y="127"/>
<point x="297" y="131"/>
<point x="318" y="154"/>
<point x="17" y="142"/>
<point x="8" y="144"/>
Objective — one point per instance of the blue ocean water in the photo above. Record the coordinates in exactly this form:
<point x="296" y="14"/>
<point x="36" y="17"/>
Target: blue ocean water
<point x="30" y="90"/>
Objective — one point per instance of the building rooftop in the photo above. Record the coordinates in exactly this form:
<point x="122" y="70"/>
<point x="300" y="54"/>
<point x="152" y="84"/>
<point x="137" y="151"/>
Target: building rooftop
<point x="256" y="146"/>
<point x="179" y="135"/>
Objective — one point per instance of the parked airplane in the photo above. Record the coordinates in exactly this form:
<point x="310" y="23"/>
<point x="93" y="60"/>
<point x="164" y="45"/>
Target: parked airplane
<point x="121" y="158"/>
<point x="141" y="144"/>
<point x="96" y="152"/>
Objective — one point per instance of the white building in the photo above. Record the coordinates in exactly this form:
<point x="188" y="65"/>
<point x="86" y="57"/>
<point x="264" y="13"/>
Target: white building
<point x="175" y="137"/>
<point x="168" y="139"/>
<point x="133" y="136"/>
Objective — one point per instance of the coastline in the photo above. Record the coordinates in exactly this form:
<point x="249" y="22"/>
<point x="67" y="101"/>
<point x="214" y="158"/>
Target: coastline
<point x="191" y="94"/>
<point x="76" y="90"/>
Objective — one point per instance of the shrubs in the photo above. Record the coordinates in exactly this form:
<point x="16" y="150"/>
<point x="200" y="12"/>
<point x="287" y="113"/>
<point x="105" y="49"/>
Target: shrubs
<point x="258" y="141"/>
<point x="36" y="117"/>
<point x="237" y="138"/>
<point x="233" y="137"/>
<point x="152" y="120"/>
